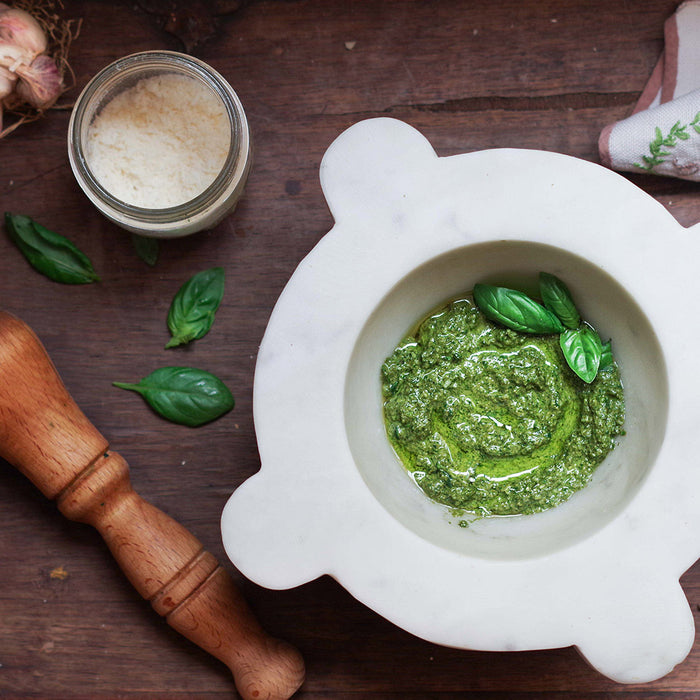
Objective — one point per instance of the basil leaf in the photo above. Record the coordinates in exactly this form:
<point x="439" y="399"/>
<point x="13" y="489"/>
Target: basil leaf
<point x="515" y="310"/>
<point x="582" y="349"/>
<point x="192" y="310"/>
<point x="606" y="357"/>
<point x="50" y="253"/>
<point x="184" y="395"/>
<point x="557" y="298"/>
<point x="146" y="248"/>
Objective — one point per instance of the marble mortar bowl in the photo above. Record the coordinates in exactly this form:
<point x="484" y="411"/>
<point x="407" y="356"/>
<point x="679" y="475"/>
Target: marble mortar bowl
<point x="412" y="230"/>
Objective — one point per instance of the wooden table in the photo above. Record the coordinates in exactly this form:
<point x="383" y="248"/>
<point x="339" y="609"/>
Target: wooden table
<point x="470" y="76"/>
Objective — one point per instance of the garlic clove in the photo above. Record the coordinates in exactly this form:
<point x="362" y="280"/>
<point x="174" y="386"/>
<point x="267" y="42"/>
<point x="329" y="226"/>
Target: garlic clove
<point x="40" y="83"/>
<point x="21" y="29"/>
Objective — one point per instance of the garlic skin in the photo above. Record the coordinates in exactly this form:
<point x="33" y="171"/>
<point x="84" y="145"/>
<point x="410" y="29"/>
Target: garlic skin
<point x="39" y="84"/>
<point x="7" y="83"/>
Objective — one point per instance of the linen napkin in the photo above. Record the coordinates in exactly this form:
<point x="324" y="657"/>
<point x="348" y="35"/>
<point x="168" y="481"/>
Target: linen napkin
<point x="663" y="134"/>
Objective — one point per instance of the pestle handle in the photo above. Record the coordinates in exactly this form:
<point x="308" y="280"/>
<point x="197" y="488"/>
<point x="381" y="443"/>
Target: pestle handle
<point x="48" y="438"/>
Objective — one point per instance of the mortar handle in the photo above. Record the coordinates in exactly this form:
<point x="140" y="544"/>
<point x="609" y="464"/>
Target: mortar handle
<point x="48" y="438"/>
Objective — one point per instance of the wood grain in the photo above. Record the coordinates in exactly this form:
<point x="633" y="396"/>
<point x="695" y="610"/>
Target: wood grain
<point x="470" y="76"/>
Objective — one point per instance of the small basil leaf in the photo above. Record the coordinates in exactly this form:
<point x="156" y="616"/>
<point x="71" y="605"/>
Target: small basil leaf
<point x="582" y="349"/>
<point x="50" y="253"/>
<point x="557" y="298"/>
<point x="606" y="357"/>
<point x="515" y="310"/>
<point x="146" y="248"/>
<point x="184" y="395"/>
<point x="192" y="310"/>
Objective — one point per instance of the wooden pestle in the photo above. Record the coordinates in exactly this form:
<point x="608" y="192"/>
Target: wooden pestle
<point x="48" y="438"/>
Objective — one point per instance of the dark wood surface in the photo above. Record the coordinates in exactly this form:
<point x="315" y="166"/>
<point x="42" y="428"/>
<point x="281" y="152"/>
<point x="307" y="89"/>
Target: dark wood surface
<point x="470" y="76"/>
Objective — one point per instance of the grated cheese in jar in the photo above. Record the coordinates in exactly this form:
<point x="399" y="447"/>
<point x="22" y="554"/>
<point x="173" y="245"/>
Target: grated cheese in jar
<point x="159" y="143"/>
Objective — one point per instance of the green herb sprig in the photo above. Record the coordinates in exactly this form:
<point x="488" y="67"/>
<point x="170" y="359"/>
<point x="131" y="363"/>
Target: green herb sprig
<point x="194" y="306"/>
<point x="187" y="395"/>
<point x="53" y="255"/>
<point x="580" y="343"/>
<point x="184" y="395"/>
<point x="678" y="132"/>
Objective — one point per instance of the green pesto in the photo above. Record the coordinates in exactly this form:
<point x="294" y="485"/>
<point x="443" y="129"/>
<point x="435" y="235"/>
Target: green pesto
<point x="493" y="421"/>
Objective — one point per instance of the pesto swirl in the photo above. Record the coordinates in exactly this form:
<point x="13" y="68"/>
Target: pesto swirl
<point x="493" y="421"/>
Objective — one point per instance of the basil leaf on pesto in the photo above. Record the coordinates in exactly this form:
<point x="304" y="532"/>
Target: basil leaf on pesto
<point x="50" y="253"/>
<point x="582" y="350"/>
<point x="192" y="310"/>
<point x="515" y="310"/>
<point x="557" y="298"/>
<point x="606" y="357"/>
<point x="183" y="395"/>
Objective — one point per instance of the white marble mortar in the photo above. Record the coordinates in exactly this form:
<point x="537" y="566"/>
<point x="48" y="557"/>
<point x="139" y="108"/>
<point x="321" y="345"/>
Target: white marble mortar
<point x="600" y="572"/>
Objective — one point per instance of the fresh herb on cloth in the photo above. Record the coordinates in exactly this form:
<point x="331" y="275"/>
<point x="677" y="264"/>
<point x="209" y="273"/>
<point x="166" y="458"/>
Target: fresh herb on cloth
<point x="50" y="253"/>
<point x="184" y="395"/>
<point x="192" y="310"/>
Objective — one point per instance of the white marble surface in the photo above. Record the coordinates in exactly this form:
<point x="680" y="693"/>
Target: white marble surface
<point x="600" y="572"/>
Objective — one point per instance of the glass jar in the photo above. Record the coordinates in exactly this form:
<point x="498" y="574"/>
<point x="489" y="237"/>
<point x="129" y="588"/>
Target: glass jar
<point x="201" y="211"/>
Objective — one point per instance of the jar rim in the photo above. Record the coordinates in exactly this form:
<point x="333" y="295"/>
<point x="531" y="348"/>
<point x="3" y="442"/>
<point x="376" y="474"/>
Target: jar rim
<point x="228" y="182"/>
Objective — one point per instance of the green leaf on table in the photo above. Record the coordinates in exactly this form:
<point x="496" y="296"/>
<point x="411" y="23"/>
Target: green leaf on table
<point x="193" y="308"/>
<point x="50" y="253"/>
<point x="582" y="350"/>
<point x="557" y="298"/>
<point x="146" y="248"/>
<point x="515" y="310"/>
<point x="184" y="395"/>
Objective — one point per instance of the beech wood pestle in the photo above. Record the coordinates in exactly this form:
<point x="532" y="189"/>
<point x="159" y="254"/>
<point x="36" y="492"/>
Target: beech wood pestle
<point x="48" y="438"/>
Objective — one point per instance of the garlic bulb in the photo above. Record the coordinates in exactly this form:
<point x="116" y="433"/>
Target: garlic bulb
<point x="27" y="75"/>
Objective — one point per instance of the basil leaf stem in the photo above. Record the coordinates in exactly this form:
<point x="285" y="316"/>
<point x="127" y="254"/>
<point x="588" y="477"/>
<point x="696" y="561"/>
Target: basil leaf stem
<point x="50" y="253"/>
<point x="557" y="298"/>
<point x="582" y="350"/>
<point x="184" y="395"/>
<point x="515" y="310"/>
<point x="192" y="310"/>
